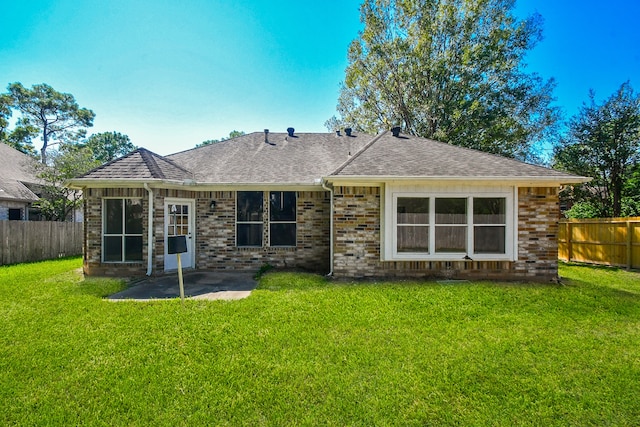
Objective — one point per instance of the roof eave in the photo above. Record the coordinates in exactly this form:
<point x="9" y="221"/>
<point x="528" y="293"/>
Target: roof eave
<point x="82" y="183"/>
<point x="535" y="181"/>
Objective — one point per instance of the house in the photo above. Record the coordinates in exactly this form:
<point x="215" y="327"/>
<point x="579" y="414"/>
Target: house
<point x="18" y="182"/>
<point x="348" y="204"/>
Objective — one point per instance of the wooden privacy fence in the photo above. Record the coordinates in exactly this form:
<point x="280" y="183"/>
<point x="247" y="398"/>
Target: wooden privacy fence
<point x="25" y="241"/>
<point x="608" y="241"/>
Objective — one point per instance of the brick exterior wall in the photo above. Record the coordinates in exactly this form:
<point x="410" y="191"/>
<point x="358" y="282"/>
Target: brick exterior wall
<point x="216" y="245"/>
<point x="539" y="210"/>
<point x="214" y="234"/>
<point x="357" y="229"/>
<point x="93" y="265"/>
<point x="357" y="241"/>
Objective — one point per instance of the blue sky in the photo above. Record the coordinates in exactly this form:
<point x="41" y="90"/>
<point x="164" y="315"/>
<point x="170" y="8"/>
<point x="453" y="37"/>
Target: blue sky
<point x="171" y="74"/>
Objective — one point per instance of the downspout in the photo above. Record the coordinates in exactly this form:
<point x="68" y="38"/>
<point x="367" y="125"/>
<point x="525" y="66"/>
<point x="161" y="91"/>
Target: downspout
<point x="149" y="231"/>
<point x="330" y="190"/>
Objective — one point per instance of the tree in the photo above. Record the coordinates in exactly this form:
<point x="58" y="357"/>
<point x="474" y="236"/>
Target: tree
<point x="5" y="114"/>
<point x="232" y="134"/>
<point x="57" y="201"/>
<point x="107" y="146"/>
<point x="20" y="137"/>
<point x="450" y="70"/>
<point x="56" y="115"/>
<point x="603" y="142"/>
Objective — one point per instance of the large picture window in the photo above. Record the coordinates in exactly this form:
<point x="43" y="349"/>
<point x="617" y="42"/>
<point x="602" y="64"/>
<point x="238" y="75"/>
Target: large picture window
<point x="449" y="227"/>
<point x="122" y="230"/>
<point x="282" y="218"/>
<point x="249" y="218"/>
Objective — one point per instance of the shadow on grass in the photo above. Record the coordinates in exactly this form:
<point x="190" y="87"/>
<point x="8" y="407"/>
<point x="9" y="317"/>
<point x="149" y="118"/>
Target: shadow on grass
<point x="100" y="287"/>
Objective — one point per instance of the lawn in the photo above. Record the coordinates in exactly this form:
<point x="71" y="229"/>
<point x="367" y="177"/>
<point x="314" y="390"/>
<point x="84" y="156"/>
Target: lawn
<point x="304" y="351"/>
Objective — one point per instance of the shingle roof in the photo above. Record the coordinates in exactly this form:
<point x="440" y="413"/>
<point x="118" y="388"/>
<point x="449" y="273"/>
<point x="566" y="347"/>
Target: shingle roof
<point x="140" y="164"/>
<point x="301" y="159"/>
<point x="410" y="156"/>
<point x="17" y="170"/>
<point x="307" y="157"/>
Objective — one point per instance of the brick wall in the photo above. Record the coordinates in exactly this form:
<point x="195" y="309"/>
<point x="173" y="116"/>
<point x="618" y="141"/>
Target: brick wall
<point x="216" y="246"/>
<point x="215" y="233"/>
<point x="357" y="231"/>
<point x="357" y="241"/>
<point x="539" y="210"/>
<point x="92" y="264"/>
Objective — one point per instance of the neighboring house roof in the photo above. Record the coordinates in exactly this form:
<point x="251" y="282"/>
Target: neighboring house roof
<point x="408" y="156"/>
<point x="140" y="164"/>
<point x="17" y="170"/>
<point x="306" y="158"/>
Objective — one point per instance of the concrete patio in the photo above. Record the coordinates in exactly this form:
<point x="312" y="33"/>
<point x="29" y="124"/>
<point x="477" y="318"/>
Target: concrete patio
<point x="207" y="285"/>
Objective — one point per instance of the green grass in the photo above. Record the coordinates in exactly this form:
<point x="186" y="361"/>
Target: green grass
<point x="303" y="351"/>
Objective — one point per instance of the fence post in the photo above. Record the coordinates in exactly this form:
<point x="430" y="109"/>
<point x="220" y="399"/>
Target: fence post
<point x="629" y="245"/>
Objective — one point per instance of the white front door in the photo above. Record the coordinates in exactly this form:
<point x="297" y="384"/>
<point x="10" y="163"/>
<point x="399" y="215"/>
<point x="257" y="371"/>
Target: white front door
<point x="179" y="220"/>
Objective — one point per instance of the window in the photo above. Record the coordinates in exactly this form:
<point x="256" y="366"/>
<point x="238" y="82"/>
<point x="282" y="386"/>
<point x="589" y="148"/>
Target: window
<point x="122" y="230"/>
<point x="449" y="226"/>
<point x="249" y="218"/>
<point x="250" y="221"/>
<point x="282" y="218"/>
<point x="15" y="214"/>
<point x="489" y="225"/>
<point x="413" y="225"/>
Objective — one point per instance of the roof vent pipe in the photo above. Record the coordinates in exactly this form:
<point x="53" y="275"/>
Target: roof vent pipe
<point x="395" y="131"/>
<point x="338" y="132"/>
<point x="347" y="131"/>
<point x="266" y="135"/>
<point x="290" y="131"/>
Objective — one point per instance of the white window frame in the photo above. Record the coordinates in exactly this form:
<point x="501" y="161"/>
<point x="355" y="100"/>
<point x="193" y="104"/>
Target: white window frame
<point x="123" y="235"/>
<point x="390" y="252"/>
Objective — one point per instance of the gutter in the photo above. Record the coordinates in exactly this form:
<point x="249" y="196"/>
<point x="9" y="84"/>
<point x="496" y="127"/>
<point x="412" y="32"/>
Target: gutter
<point x="330" y="190"/>
<point x="149" y="231"/>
